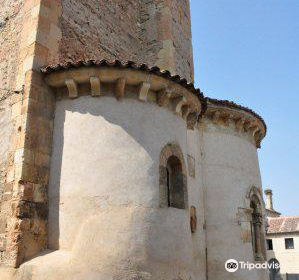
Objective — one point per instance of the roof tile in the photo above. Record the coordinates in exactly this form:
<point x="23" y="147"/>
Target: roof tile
<point x="283" y="225"/>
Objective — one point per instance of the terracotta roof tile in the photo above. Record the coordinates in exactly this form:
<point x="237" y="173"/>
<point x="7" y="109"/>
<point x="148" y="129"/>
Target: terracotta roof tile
<point x="283" y="225"/>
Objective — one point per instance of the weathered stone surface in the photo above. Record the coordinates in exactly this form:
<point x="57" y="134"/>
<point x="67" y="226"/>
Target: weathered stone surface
<point x="155" y="32"/>
<point x="11" y="17"/>
<point x="10" y="29"/>
<point x="91" y="29"/>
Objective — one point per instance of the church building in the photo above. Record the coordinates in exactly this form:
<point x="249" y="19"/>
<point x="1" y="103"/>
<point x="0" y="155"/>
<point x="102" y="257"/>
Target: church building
<point x="113" y="165"/>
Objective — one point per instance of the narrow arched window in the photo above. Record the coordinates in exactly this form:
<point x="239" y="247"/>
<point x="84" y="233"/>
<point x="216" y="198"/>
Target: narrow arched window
<point x="173" y="179"/>
<point x="175" y="183"/>
<point x="257" y="229"/>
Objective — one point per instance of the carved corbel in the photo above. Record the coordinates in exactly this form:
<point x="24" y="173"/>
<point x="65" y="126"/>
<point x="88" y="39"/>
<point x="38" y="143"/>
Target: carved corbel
<point x="72" y="87"/>
<point x="231" y="117"/>
<point x="258" y="138"/>
<point x="95" y="85"/>
<point x="224" y="119"/>
<point x="254" y="129"/>
<point x="192" y="120"/>
<point x="185" y="112"/>
<point x="143" y="91"/>
<point x="120" y="88"/>
<point x="178" y="103"/>
<point x="247" y="125"/>
<point x="240" y="124"/>
<point x="163" y="97"/>
<point x="256" y="133"/>
<point x="216" y="117"/>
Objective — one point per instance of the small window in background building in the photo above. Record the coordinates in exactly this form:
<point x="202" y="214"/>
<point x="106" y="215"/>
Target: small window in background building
<point x="269" y="244"/>
<point x="289" y="243"/>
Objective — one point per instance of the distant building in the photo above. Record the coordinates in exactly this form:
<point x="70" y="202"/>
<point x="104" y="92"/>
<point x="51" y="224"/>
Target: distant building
<point x="282" y="242"/>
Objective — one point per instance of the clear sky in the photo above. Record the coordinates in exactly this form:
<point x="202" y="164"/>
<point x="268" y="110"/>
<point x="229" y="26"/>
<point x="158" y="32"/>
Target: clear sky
<point x="247" y="51"/>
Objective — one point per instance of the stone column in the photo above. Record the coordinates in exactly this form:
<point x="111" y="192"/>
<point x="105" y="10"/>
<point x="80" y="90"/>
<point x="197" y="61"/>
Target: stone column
<point x="257" y="235"/>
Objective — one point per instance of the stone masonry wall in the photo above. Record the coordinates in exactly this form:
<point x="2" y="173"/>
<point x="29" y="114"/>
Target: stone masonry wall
<point x="155" y="32"/>
<point x="11" y="17"/>
<point x="182" y="38"/>
<point x="5" y="132"/>
<point x="32" y="36"/>
<point x="95" y="29"/>
<point x="167" y="36"/>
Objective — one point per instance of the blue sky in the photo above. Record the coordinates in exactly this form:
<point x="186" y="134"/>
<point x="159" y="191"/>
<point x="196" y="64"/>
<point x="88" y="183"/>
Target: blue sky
<point x="248" y="52"/>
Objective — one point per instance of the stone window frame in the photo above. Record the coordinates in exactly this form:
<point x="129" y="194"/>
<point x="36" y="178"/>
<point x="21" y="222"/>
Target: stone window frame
<point x="168" y="151"/>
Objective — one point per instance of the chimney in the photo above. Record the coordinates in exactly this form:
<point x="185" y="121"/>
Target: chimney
<point x="269" y="199"/>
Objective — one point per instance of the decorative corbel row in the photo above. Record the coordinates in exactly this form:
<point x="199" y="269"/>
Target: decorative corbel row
<point x="242" y="124"/>
<point x="249" y="126"/>
<point x="180" y="106"/>
<point x="148" y="87"/>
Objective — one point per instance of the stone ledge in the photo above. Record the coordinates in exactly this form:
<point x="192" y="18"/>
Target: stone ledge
<point x="122" y="83"/>
<point x="152" y="85"/>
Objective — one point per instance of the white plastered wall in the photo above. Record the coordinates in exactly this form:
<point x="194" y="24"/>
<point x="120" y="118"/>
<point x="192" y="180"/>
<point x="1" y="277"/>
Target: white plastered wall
<point x="288" y="259"/>
<point x="230" y="168"/>
<point x="105" y="221"/>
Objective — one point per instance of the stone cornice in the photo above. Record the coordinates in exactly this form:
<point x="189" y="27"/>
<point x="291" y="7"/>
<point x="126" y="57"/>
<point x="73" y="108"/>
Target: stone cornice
<point x="121" y="64"/>
<point x="123" y="82"/>
<point x="153" y="85"/>
<point x="246" y="121"/>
